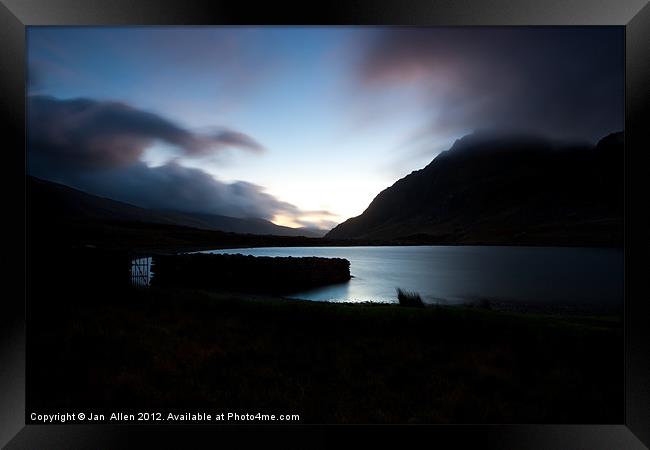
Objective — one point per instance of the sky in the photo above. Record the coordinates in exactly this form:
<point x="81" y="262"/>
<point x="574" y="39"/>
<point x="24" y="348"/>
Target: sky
<point x="303" y="126"/>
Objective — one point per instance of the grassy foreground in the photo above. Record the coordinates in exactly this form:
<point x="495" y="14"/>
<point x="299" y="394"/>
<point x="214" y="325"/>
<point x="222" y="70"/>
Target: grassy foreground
<point x="332" y="363"/>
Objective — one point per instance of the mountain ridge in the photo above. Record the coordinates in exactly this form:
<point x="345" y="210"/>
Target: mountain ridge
<point x="500" y="188"/>
<point x="55" y="200"/>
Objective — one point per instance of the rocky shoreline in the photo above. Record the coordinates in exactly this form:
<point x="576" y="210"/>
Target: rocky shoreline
<point x="254" y="274"/>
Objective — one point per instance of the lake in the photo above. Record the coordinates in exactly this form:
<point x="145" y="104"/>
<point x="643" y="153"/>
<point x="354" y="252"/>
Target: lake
<point x="557" y="277"/>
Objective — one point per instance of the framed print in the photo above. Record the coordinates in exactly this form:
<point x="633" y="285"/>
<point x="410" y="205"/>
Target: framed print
<point x="280" y="222"/>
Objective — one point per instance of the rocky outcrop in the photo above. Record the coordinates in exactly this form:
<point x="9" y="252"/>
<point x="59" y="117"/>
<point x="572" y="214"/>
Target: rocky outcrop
<point x="254" y="274"/>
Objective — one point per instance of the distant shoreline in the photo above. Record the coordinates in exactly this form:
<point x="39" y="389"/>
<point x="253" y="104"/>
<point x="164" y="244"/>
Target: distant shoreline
<point x="205" y="248"/>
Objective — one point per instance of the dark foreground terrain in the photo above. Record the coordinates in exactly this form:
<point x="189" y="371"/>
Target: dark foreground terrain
<point x="154" y="349"/>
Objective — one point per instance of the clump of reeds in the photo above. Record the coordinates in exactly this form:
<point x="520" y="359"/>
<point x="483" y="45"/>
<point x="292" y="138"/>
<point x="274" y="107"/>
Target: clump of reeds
<point x="411" y="299"/>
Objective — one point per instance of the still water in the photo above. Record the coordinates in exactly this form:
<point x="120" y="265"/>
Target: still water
<point x="543" y="276"/>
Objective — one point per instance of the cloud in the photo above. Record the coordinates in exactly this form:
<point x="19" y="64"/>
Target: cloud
<point x="315" y="219"/>
<point x="566" y="82"/>
<point x="173" y="186"/>
<point x="86" y="133"/>
<point x="97" y="146"/>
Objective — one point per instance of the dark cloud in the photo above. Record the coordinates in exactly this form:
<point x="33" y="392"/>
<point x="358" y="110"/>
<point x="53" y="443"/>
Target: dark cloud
<point x="173" y="186"/>
<point x="96" y="147"/>
<point x="562" y="81"/>
<point x="102" y="134"/>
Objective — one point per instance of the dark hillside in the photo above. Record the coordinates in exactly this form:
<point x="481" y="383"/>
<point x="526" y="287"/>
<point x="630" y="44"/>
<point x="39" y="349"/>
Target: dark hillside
<point x="490" y="189"/>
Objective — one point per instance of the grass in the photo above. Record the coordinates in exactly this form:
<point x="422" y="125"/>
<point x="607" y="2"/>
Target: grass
<point x="411" y="299"/>
<point x="330" y="363"/>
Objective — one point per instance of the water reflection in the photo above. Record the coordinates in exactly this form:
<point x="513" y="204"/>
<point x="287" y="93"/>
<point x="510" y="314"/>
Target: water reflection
<point x="448" y="274"/>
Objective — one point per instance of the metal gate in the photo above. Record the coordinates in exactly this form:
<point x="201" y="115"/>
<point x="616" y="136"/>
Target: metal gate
<point x="141" y="271"/>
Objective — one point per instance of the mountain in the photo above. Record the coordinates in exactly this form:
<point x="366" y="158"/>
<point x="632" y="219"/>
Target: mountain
<point x="491" y="188"/>
<point x="51" y="201"/>
<point x="250" y="225"/>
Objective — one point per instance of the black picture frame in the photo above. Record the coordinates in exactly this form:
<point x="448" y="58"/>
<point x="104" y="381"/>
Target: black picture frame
<point x="634" y="15"/>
